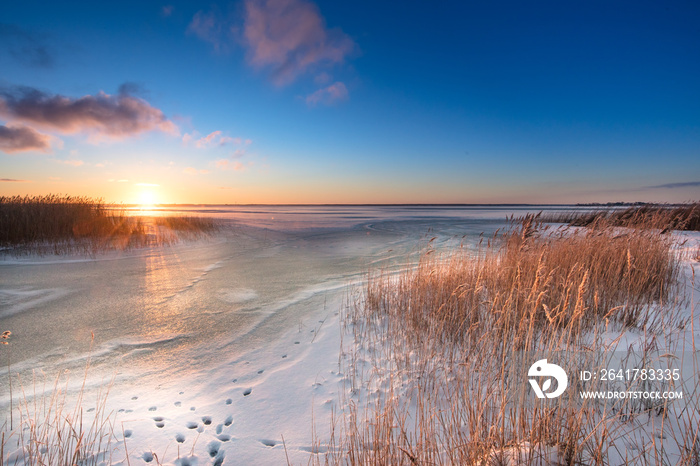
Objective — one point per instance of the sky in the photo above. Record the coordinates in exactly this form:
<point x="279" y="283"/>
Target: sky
<point x="300" y="102"/>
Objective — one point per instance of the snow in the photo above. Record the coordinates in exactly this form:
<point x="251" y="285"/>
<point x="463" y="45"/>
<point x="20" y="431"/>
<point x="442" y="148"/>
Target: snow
<point x="220" y="351"/>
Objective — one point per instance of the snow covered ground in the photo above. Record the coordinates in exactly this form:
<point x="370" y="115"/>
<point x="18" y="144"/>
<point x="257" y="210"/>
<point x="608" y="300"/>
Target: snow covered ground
<point x="221" y="351"/>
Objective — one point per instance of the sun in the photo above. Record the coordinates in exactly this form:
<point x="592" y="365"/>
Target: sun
<point x="147" y="198"/>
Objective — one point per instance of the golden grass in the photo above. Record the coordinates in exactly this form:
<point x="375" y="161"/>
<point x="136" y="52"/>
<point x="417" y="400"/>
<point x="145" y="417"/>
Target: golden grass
<point x="662" y="217"/>
<point x="54" y="224"/>
<point x="50" y="430"/>
<point x="437" y="372"/>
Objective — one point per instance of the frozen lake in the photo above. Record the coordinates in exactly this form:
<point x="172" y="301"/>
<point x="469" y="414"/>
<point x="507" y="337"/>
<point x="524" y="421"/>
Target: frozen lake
<point x="184" y="331"/>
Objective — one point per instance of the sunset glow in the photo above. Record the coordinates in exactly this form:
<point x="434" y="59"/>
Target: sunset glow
<point x="260" y="101"/>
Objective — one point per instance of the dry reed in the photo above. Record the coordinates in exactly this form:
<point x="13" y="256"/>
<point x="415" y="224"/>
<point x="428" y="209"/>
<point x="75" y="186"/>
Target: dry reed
<point x="54" y="224"/>
<point x="662" y="217"/>
<point x="437" y="369"/>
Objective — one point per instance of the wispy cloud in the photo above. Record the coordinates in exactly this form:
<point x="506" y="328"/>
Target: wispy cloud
<point x="226" y="164"/>
<point x="211" y="27"/>
<point x="336" y="92"/>
<point x="689" y="184"/>
<point x="22" y="139"/>
<point x="101" y="115"/>
<point x="12" y="180"/>
<point x="73" y="162"/>
<point x="147" y="184"/>
<point x="289" y="37"/>
<point x="28" y="48"/>
<point x="167" y="10"/>
<point x="213" y="139"/>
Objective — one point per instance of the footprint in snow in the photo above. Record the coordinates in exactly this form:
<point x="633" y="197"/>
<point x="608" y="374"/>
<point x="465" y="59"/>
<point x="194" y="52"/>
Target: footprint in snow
<point x="213" y="448"/>
<point x="228" y="421"/>
<point x="229" y="401"/>
<point x="247" y="391"/>
<point x="152" y="408"/>
<point x="206" y="420"/>
<point x="191" y="425"/>
<point x="180" y="438"/>
<point x="268" y="443"/>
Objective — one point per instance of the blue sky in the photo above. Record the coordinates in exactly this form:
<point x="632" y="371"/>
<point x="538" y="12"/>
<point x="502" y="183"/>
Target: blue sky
<point x="289" y="101"/>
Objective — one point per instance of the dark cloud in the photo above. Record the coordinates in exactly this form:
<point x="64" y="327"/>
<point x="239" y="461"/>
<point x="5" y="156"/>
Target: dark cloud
<point x="689" y="184"/>
<point x="102" y="115"/>
<point x="12" y="180"/>
<point x="22" y="139"/>
<point x="25" y="47"/>
<point x="132" y="89"/>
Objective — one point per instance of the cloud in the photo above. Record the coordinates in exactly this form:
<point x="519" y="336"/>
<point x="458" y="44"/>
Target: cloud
<point x="12" y="180"/>
<point x="322" y="78"/>
<point x="101" y="115"/>
<point x="336" y="92"/>
<point x="289" y="37"/>
<point x="689" y="184"/>
<point x="25" y="47"/>
<point x="132" y="89"/>
<point x="22" y="138"/>
<point x="213" y="139"/>
<point x="210" y="28"/>
<point x="147" y="184"/>
<point x="167" y="10"/>
<point x="225" y="164"/>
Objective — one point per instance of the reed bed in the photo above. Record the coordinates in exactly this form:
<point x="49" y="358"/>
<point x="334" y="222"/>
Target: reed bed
<point x="436" y="368"/>
<point x="48" y="429"/>
<point x="54" y="224"/>
<point x="662" y="217"/>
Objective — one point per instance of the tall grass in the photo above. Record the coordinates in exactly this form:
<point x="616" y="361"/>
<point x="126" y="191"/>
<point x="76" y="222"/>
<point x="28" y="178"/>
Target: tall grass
<point x="437" y="369"/>
<point x="54" y="224"/>
<point x="662" y="217"/>
<point x="50" y="430"/>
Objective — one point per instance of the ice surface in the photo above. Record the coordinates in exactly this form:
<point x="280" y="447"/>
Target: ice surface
<point x="224" y="350"/>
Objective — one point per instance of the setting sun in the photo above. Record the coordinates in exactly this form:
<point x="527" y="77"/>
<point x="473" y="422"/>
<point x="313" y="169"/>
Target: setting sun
<point x="147" y="198"/>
